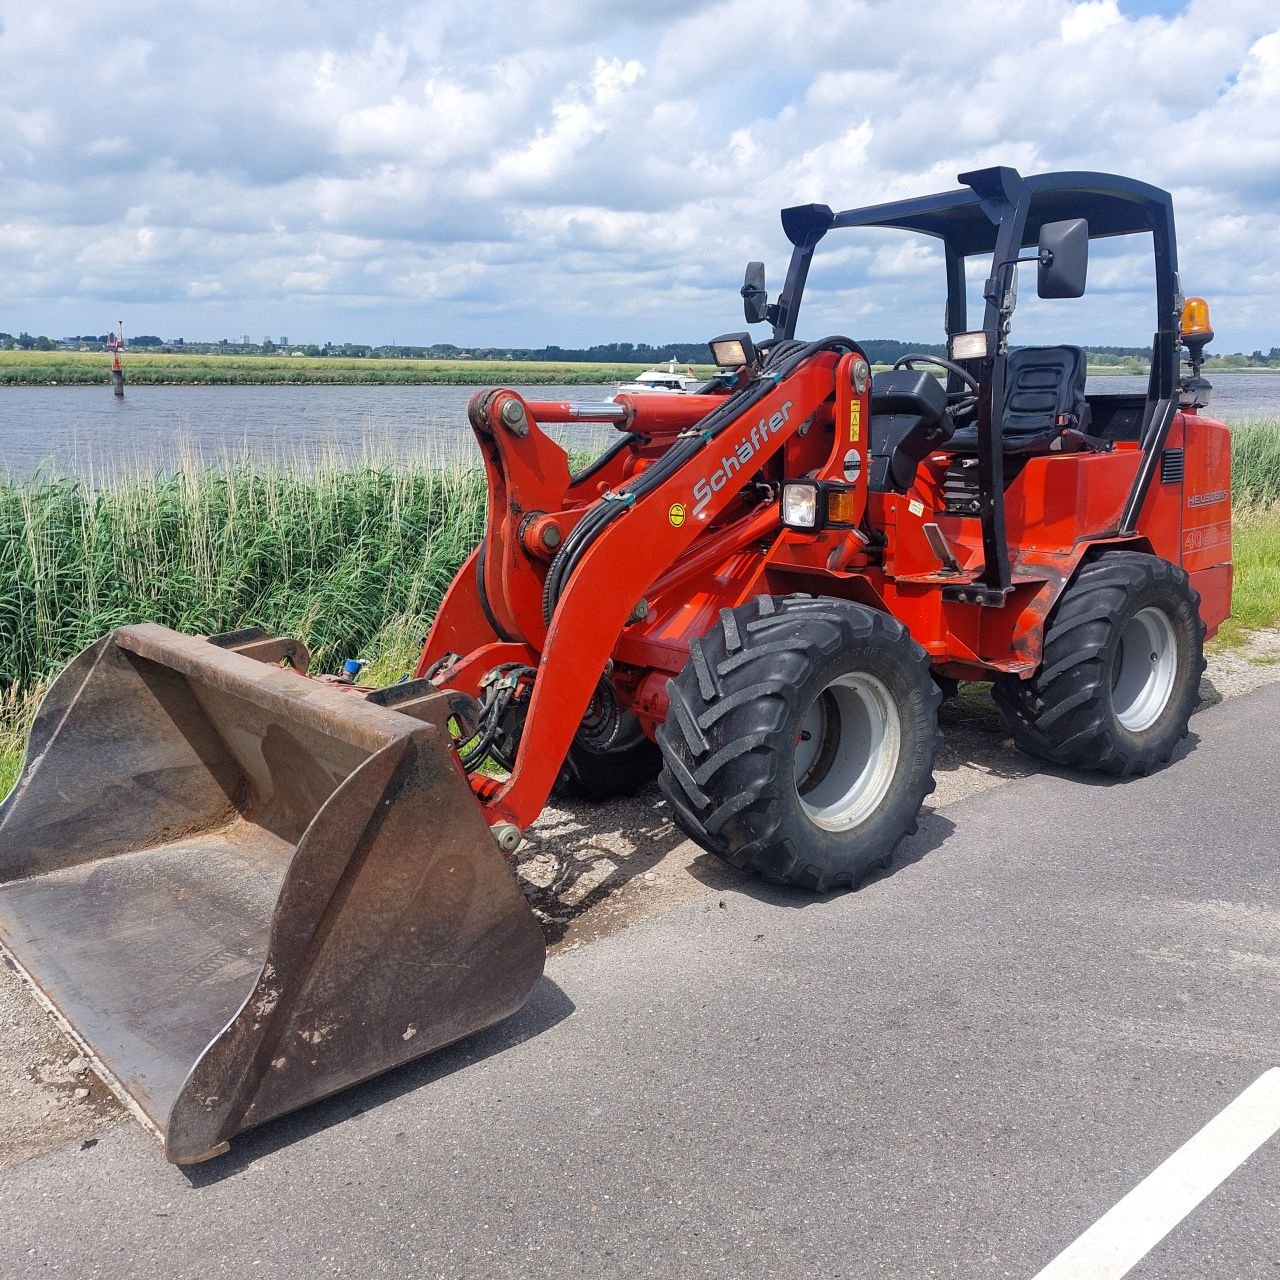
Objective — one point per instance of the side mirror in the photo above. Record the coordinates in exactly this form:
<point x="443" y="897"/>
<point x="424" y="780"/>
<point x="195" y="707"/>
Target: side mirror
<point x="1063" y="258"/>
<point x="755" y="298"/>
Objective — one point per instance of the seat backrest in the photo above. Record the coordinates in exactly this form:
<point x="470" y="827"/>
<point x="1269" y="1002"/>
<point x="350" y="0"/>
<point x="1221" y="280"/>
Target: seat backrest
<point x="1044" y="392"/>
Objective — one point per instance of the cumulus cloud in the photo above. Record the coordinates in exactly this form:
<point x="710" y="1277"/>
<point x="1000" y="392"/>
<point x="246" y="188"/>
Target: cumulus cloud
<point x="540" y="172"/>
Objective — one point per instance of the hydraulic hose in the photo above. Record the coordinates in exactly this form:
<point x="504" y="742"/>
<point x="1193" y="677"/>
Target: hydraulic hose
<point x="597" y="464"/>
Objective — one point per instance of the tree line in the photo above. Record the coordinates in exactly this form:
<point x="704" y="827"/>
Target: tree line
<point x="879" y="350"/>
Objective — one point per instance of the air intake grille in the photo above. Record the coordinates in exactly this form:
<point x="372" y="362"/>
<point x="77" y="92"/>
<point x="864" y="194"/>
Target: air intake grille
<point x="1171" y="466"/>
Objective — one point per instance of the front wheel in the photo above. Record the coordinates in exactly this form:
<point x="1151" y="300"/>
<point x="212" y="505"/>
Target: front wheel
<point x="800" y="739"/>
<point x="1123" y="656"/>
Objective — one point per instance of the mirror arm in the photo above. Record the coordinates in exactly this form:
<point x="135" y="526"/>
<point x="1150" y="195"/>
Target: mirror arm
<point x="998" y="283"/>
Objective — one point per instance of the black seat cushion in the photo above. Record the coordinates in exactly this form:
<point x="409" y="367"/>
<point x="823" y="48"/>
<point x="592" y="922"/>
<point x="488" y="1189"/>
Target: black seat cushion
<point x="1044" y="404"/>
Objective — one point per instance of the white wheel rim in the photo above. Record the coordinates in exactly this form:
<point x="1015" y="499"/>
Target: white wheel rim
<point x="847" y="751"/>
<point x="1145" y="667"/>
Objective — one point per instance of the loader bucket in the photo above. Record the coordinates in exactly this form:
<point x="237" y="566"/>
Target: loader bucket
<point x="242" y="890"/>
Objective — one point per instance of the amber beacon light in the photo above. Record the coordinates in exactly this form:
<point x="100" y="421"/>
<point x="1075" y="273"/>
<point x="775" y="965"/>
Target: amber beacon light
<point x="1195" y="321"/>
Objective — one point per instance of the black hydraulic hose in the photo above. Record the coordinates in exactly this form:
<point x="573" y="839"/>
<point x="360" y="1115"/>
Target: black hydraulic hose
<point x="483" y="596"/>
<point x="624" y="441"/>
<point x="784" y="361"/>
<point x="779" y="350"/>
<point x="608" y="509"/>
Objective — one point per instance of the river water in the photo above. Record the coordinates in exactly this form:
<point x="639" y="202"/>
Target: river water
<point x="88" y="431"/>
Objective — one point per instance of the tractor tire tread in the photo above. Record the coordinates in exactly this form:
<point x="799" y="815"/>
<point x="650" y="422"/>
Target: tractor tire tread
<point x="1064" y="714"/>
<point x="725" y="734"/>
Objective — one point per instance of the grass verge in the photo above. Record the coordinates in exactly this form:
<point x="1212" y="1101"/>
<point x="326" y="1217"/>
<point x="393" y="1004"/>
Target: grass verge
<point x="1255" y="595"/>
<point x="73" y="368"/>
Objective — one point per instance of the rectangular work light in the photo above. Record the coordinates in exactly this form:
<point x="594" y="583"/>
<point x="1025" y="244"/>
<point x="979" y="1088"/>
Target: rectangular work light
<point x="817" y="504"/>
<point x="969" y="346"/>
<point x="733" y="350"/>
<point x="800" y="509"/>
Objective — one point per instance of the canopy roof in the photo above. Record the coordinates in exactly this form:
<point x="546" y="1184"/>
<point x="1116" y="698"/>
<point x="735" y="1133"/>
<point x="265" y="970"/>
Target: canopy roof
<point x="1112" y="205"/>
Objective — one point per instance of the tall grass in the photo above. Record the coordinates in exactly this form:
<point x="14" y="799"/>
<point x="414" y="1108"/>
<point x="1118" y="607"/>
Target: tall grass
<point x="351" y="558"/>
<point x="343" y="556"/>
<point x="1255" y="464"/>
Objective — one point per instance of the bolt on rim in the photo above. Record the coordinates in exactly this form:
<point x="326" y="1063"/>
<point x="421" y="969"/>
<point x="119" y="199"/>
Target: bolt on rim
<point x="1146" y="666"/>
<point x="847" y="751"/>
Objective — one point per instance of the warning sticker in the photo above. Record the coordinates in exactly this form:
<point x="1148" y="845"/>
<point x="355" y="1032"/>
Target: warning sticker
<point x="855" y="421"/>
<point x="675" y="513"/>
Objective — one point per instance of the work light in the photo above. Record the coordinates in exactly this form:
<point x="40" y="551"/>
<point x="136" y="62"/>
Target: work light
<point x="733" y="350"/>
<point x="800" y="504"/>
<point x="817" y="504"/>
<point x="969" y="346"/>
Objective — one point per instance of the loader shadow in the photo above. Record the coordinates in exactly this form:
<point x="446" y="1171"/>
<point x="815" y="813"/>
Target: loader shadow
<point x="578" y="858"/>
<point x="1089" y="779"/>
<point x="545" y="1008"/>
<point x="976" y="738"/>
<point x="934" y="830"/>
<point x="1210" y="695"/>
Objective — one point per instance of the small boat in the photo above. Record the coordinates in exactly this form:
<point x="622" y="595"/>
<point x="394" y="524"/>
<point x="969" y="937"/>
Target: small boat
<point x="668" y="381"/>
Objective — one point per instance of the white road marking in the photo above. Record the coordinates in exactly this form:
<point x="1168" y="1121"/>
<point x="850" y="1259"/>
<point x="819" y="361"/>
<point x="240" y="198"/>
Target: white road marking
<point x="1128" y="1232"/>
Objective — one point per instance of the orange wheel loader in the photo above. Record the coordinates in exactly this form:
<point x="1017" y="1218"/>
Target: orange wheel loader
<point x="243" y="888"/>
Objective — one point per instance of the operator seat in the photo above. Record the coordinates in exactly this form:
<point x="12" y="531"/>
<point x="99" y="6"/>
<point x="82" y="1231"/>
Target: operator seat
<point x="1044" y="406"/>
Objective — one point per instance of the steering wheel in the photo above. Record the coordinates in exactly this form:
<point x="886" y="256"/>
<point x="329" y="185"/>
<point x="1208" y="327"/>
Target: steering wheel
<point x="912" y="358"/>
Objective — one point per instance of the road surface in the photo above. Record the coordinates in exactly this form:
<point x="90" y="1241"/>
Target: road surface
<point x="955" y="1071"/>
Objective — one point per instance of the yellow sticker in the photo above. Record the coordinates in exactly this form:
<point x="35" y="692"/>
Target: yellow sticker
<point x="855" y="421"/>
<point x="916" y="508"/>
<point x="675" y="514"/>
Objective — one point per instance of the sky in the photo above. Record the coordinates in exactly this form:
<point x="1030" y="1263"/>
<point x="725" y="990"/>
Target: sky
<point x="582" y="171"/>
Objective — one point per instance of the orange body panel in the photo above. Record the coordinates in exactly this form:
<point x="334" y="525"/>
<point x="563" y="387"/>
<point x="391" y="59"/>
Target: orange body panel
<point x="710" y="538"/>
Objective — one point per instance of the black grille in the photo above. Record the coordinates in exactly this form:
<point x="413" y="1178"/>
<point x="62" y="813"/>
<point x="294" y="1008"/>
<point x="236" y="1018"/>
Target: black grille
<point x="960" y="488"/>
<point x="1171" y="466"/>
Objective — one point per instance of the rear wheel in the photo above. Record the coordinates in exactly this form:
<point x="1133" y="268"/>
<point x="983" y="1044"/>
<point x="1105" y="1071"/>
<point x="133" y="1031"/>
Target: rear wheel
<point x="800" y="739"/>
<point x="609" y="755"/>
<point x="621" y="771"/>
<point x="1123" y="656"/>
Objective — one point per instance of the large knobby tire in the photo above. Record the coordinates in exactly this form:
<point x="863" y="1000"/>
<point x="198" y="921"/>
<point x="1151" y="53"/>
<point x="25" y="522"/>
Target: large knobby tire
<point x="800" y="739"/>
<point x="1120" y="677"/>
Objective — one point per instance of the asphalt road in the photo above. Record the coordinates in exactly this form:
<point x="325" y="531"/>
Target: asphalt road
<point x="953" y="1072"/>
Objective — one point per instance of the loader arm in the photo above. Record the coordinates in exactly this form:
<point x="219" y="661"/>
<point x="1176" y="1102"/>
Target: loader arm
<point x="645" y="528"/>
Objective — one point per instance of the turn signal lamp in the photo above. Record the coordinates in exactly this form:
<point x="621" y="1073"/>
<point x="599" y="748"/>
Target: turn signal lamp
<point x="1195" y="321"/>
<point x="817" y="504"/>
<point x="839" y="506"/>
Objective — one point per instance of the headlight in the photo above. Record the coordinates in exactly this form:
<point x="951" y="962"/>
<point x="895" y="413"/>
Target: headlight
<point x="733" y="350"/>
<point x="818" y="504"/>
<point x="800" y="504"/>
<point x="969" y="346"/>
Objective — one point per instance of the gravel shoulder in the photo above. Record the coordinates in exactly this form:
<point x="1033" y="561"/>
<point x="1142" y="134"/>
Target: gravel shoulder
<point x="588" y="872"/>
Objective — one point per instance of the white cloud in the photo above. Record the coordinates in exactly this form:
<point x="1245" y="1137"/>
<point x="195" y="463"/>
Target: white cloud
<point x="548" y="172"/>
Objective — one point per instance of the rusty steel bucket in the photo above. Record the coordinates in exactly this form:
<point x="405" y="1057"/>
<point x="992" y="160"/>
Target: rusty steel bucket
<point x="242" y="890"/>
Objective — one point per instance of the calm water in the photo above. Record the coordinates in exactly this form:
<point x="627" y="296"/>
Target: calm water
<point x="89" y="431"/>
